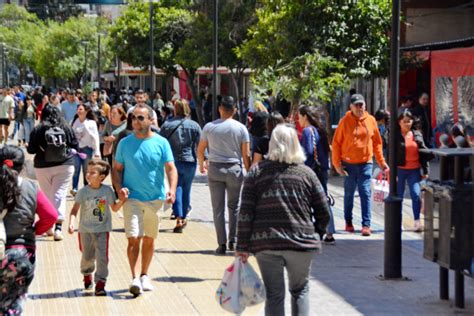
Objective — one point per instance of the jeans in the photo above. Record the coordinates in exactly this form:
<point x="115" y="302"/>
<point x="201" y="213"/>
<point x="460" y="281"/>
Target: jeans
<point x="330" y="229"/>
<point x="413" y="178"/>
<point x="78" y="162"/>
<point x="225" y="178"/>
<point x="298" y="264"/>
<point x="186" y="172"/>
<point x="359" y="176"/>
<point x="29" y="124"/>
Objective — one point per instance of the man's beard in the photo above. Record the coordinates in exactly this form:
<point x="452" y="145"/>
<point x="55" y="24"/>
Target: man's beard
<point x="143" y="130"/>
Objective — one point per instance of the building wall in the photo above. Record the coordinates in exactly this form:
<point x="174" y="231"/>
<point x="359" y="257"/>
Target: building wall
<point x="423" y="25"/>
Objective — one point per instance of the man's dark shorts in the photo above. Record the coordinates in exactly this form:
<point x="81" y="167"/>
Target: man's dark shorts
<point x="4" y="121"/>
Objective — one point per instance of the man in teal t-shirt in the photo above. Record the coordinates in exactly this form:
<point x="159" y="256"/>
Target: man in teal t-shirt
<point x="139" y="174"/>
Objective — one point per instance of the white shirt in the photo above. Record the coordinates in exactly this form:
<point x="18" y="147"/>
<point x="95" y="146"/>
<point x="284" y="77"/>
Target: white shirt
<point x="87" y="135"/>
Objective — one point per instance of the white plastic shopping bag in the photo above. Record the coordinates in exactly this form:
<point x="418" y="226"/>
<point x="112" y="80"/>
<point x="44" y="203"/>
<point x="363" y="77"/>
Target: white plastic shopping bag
<point x="228" y="292"/>
<point x="240" y="287"/>
<point x="380" y="190"/>
<point x="251" y="286"/>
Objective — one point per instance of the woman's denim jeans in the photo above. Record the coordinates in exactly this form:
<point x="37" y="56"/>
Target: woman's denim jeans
<point x="298" y="264"/>
<point x="359" y="176"/>
<point x="331" y="229"/>
<point x="78" y="163"/>
<point x="186" y="172"/>
<point x="28" y="124"/>
<point x="412" y="178"/>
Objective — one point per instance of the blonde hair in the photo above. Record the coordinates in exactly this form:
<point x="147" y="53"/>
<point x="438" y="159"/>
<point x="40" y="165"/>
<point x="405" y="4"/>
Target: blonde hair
<point x="259" y="107"/>
<point x="181" y="108"/>
<point x="284" y="146"/>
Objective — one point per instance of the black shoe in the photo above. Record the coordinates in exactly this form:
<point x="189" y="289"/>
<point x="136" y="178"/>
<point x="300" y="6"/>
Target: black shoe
<point x="231" y="246"/>
<point x="178" y="230"/>
<point x="221" y="250"/>
<point x="329" y="240"/>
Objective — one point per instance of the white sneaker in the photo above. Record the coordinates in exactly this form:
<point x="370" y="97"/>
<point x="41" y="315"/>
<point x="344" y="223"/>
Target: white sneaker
<point x="418" y="227"/>
<point x="135" y="287"/>
<point x="146" y="283"/>
<point x="58" y="235"/>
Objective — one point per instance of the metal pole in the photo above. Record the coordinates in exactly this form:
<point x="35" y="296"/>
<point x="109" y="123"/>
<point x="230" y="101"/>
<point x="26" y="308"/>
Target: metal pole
<point x="215" y="40"/>
<point x="443" y="272"/>
<point x="119" y="70"/>
<point x="152" y="50"/>
<point x="4" y="77"/>
<point x="85" y="65"/>
<point x="98" y="62"/>
<point x="393" y="204"/>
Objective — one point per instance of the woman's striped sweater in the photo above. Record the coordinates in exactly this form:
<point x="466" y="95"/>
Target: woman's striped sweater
<point x="283" y="207"/>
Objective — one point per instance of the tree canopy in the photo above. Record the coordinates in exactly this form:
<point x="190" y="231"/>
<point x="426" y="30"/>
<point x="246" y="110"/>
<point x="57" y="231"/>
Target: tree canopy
<point x="355" y="33"/>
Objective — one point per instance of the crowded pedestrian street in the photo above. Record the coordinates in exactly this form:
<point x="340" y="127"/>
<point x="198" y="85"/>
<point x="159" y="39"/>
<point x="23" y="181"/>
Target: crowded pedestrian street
<point x="257" y="157"/>
<point x="345" y="278"/>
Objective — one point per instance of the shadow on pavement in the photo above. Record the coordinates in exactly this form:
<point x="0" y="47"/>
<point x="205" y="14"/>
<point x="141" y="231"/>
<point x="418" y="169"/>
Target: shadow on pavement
<point x="348" y="274"/>
<point x="200" y="252"/>
<point x="177" y="279"/>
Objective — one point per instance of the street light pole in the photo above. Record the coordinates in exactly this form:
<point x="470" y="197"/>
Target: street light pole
<point x="215" y="57"/>
<point x="98" y="62"/>
<point x="393" y="203"/>
<point x="85" y="64"/>
<point x="4" y="76"/>
<point x="152" y="50"/>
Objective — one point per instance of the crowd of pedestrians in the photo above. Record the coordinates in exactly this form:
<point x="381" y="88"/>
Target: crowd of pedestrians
<point x="270" y="174"/>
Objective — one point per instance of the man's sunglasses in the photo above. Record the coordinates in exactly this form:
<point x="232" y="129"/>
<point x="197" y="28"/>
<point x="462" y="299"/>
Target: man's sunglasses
<point x="141" y="118"/>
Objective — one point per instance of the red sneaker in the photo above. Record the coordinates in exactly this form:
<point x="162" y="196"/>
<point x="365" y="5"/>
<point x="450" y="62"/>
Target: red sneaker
<point x="365" y="231"/>
<point x="100" y="288"/>
<point x="88" y="282"/>
<point x="349" y="228"/>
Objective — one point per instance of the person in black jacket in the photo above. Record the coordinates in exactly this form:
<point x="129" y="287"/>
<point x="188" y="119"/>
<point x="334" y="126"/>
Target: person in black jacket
<point x="409" y="162"/>
<point x="54" y="175"/>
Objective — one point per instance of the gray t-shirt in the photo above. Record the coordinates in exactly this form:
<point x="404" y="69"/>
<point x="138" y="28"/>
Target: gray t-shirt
<point x="225" y="139"/>
<point x="95" y="214"/>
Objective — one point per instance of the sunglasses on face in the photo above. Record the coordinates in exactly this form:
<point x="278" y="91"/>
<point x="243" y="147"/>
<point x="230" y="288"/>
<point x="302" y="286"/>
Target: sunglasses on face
<point x="359" y="105"/>
<point x="141" y="118"/>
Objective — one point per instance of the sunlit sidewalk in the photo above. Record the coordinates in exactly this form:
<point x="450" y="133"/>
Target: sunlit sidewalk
<point x="184" y="271"/>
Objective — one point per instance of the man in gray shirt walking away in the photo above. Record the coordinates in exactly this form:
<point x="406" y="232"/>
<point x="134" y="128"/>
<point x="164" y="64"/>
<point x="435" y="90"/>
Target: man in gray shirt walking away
<point x="228" y="145"/>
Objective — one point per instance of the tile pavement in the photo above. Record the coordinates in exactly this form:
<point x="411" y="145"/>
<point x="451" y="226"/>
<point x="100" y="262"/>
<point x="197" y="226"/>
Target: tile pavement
<point x="344" y="278"/>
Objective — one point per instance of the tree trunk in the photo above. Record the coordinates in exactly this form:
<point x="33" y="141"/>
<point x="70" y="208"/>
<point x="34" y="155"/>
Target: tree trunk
<point x="190" y="75"/>
<point x="236" y="79"/>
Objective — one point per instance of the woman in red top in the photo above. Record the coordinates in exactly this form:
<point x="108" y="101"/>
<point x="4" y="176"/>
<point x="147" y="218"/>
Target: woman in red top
<point x="21" y="201"/>
<point x="410" y="161"/>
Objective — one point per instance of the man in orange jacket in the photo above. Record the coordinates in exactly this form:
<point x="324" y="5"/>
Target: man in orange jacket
<point x="355" y="141"/>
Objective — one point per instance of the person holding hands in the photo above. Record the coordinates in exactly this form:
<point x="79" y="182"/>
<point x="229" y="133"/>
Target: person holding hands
<point x="95" y="201"/>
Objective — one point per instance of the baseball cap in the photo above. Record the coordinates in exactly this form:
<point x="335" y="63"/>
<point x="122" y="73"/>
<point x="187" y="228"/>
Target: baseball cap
<point x="357" y="98"/>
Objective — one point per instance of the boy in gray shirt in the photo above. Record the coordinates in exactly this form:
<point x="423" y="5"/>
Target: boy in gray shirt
<point x="95" y="201"/>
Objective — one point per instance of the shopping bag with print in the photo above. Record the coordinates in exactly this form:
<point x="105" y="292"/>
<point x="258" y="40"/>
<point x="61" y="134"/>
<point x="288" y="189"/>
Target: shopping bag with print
<point x="252" y="289"/>
<point x="228" y="292"/>
<point x="380" y="190"/>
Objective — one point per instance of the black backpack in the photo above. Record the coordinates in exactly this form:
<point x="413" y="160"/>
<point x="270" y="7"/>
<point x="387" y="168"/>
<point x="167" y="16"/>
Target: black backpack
<point x="56" y="145"/>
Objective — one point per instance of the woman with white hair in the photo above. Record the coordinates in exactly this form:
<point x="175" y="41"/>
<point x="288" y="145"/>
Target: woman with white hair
<point x="283" y="210"/>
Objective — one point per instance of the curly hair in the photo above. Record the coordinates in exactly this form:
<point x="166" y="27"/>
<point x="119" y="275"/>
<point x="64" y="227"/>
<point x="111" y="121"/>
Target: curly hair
<point x="9" y="189"/>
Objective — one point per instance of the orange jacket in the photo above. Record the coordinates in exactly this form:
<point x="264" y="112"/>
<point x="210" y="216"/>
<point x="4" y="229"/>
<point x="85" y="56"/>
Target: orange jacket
<point x="356" y="140"/>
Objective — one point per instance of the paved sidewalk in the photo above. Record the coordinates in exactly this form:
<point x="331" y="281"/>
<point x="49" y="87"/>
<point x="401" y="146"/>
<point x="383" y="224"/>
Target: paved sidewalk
<point x="186" y="273"/>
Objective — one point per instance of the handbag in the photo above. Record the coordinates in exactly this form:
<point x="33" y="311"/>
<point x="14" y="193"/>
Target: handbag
<point x="380" y="190"/>
<point x="316" y="167"/>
